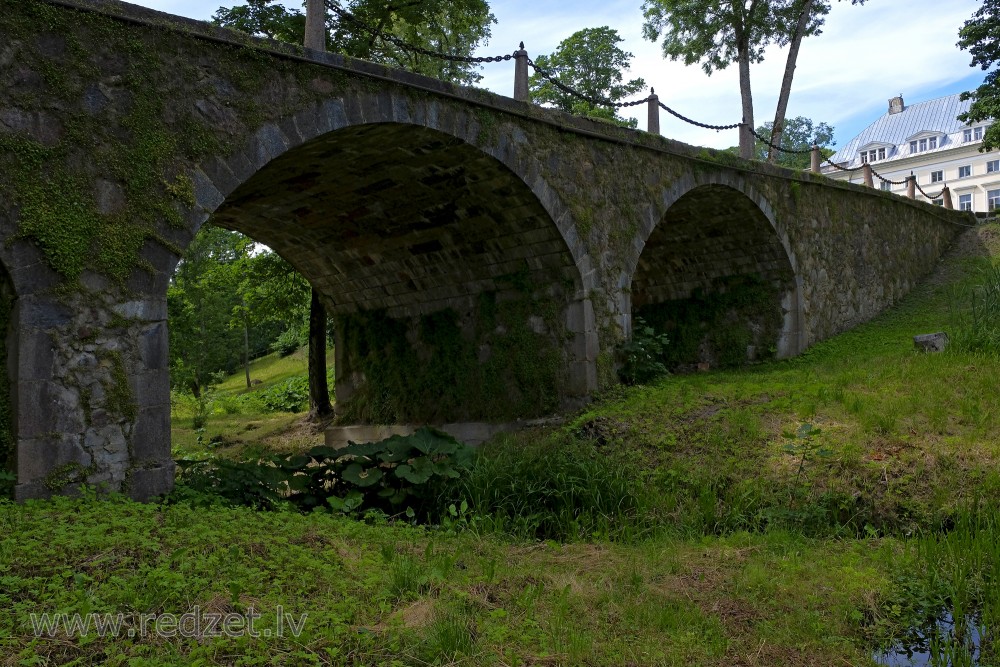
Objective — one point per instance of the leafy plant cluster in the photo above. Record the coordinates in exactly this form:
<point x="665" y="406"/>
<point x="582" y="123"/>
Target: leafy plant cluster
<point x="642" y="355"/>
<point x="720" y="325"/>
<point x="397" y="475"/>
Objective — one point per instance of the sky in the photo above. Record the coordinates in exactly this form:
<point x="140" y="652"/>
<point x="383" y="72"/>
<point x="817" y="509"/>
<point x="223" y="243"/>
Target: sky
<point x="845" y="76"/>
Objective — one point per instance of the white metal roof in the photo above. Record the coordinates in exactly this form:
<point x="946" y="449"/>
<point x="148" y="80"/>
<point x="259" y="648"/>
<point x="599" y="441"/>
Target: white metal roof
<point x="933" y="116"/>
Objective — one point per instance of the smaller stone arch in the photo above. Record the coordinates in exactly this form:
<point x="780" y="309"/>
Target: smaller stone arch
<point x="718" y="250"/>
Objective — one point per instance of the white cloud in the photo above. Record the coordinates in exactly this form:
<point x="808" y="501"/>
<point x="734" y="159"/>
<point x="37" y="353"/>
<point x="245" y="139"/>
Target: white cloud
<point x="845" y="76"/>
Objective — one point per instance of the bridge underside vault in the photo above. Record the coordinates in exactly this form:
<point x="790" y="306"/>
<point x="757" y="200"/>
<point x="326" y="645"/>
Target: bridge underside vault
<point x="715" y="275"/>
<point x="448" y="280"/>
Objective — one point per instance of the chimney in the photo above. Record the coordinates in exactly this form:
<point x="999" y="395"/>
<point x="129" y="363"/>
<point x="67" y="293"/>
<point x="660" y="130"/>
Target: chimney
<point x="896" y="105"/>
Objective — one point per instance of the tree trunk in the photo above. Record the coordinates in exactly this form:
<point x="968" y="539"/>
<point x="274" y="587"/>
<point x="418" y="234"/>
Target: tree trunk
<point x="319" y="393"/>
<point x="316" y="25"/>
<point x="747" y="144"/>
<point x="786" y="81"/>
<point x="246" y="350"/>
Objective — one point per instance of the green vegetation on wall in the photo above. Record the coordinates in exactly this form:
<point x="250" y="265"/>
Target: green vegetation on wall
<point x="719" y="326"/>
<point x="96" y="181"/>
<point x="497" y="368"/>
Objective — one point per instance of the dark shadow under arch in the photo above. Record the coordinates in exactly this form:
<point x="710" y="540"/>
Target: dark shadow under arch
<point x="412" y="235"/>
<point x="716" y="274"/>
<point x="8" y="382"/>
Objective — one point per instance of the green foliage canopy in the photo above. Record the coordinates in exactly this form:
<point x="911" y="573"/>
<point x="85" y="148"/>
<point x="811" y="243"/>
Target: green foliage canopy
<point x="591" y="62"/>
<point x="454" y="27"/>
<point x="221" y="287"/>
<point x="798" y="134"/>
<point x="981" y="37"/>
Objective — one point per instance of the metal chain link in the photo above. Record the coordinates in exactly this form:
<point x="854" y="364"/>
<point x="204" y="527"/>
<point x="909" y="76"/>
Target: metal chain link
<point x="837" y="166"/>
<point x="886" y="180"/>
<point x="694" y="122"/>
<point x="924" y="193"/>
<point x="779" y="148"/>
<point x="597" y="101"/>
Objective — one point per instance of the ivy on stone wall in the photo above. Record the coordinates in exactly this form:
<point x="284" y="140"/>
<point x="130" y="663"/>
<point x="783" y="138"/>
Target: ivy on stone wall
<point x="97" y="177"/>
<point x="494" y="365"/>
<point x="717" y="327"/>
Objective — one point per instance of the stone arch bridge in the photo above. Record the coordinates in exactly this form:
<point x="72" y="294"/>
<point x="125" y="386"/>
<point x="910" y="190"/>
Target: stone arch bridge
<point x="482" y="257"/>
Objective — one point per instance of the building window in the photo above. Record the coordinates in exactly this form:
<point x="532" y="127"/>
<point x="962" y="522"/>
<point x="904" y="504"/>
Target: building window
<point x="966" y="135"/>
<point x="993" y="199"/>
<point x="913" y="147"/>
<point x="978" y="134"/>
<point x="965" y="172"/>
<point x="886" y="186"/>
<point x="932" y="143"/>
<point x="992" y="166"/>
<point x="864" y="157"/>
<point x="923" y="145"/>
<point x="965" y="202"/>
<point x="937" y="176"/>
<point x="937" y="202"/>
<point x="881" y="154"/>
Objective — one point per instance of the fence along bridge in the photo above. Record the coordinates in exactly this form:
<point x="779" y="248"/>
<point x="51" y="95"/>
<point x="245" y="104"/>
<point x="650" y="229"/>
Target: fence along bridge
<point x="482" y="257"/>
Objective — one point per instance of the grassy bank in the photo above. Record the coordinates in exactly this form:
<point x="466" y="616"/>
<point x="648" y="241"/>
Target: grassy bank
<point x="807" y="512"/>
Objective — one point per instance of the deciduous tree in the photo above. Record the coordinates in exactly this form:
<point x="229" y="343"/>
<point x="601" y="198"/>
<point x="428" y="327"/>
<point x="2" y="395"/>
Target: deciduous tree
<point x="718" y="33"/>
<point x="454" y="27"/>
<point x="980" y="36"/>
<point x="591" y="62"/>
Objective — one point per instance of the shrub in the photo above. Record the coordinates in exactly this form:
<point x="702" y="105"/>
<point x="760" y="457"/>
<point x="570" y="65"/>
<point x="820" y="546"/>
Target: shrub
<point x="642" y="356"/>
<point x="289" y="396"/>
<point x="288" y="341"/>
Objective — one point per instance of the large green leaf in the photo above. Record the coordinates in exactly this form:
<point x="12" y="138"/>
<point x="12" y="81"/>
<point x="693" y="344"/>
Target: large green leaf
<point x="417" y="471"/>
<point x="360" y="476"/>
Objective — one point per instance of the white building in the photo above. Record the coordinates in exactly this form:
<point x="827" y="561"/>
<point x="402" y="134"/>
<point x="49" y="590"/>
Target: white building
<point x="928" y="141"/>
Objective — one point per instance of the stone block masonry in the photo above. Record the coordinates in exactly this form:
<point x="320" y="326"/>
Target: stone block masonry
<point x="483" y="255"/>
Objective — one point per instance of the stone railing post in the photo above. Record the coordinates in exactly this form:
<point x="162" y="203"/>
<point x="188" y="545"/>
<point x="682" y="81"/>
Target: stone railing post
<point x="316" y="25"/>
<point x="815" y="158"/>
<point x="911" y="187"/>
<point x="653" y="122"/>
<point x="521" y="75"/>
<point x="867" y="169"/>
<point x="946" y="198"/>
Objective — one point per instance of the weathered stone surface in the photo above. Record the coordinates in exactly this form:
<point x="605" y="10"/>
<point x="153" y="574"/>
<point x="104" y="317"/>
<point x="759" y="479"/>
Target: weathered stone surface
<point x="392" y="198"/>
<point x="935" y="342"/>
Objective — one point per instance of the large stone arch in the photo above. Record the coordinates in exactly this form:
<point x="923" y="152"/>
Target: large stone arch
<point x="407" y="211"/>
<point x="709" y="230"/>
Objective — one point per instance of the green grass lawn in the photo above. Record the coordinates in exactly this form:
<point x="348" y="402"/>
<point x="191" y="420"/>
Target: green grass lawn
<point x="238" y="428"/>
<point x="807" y="512"/>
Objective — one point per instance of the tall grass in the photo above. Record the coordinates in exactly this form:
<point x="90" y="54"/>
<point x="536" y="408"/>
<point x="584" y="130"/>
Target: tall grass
<point x="559" y="490"/>
<point x="978" y="323"/>
<point x="948" y="589"/>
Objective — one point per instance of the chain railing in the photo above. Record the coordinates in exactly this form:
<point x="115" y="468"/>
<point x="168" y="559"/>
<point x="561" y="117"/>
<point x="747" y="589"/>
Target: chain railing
<point x="347" y="16"/>
<point x="886" y="180"/>
<point x="931" y="197"/>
